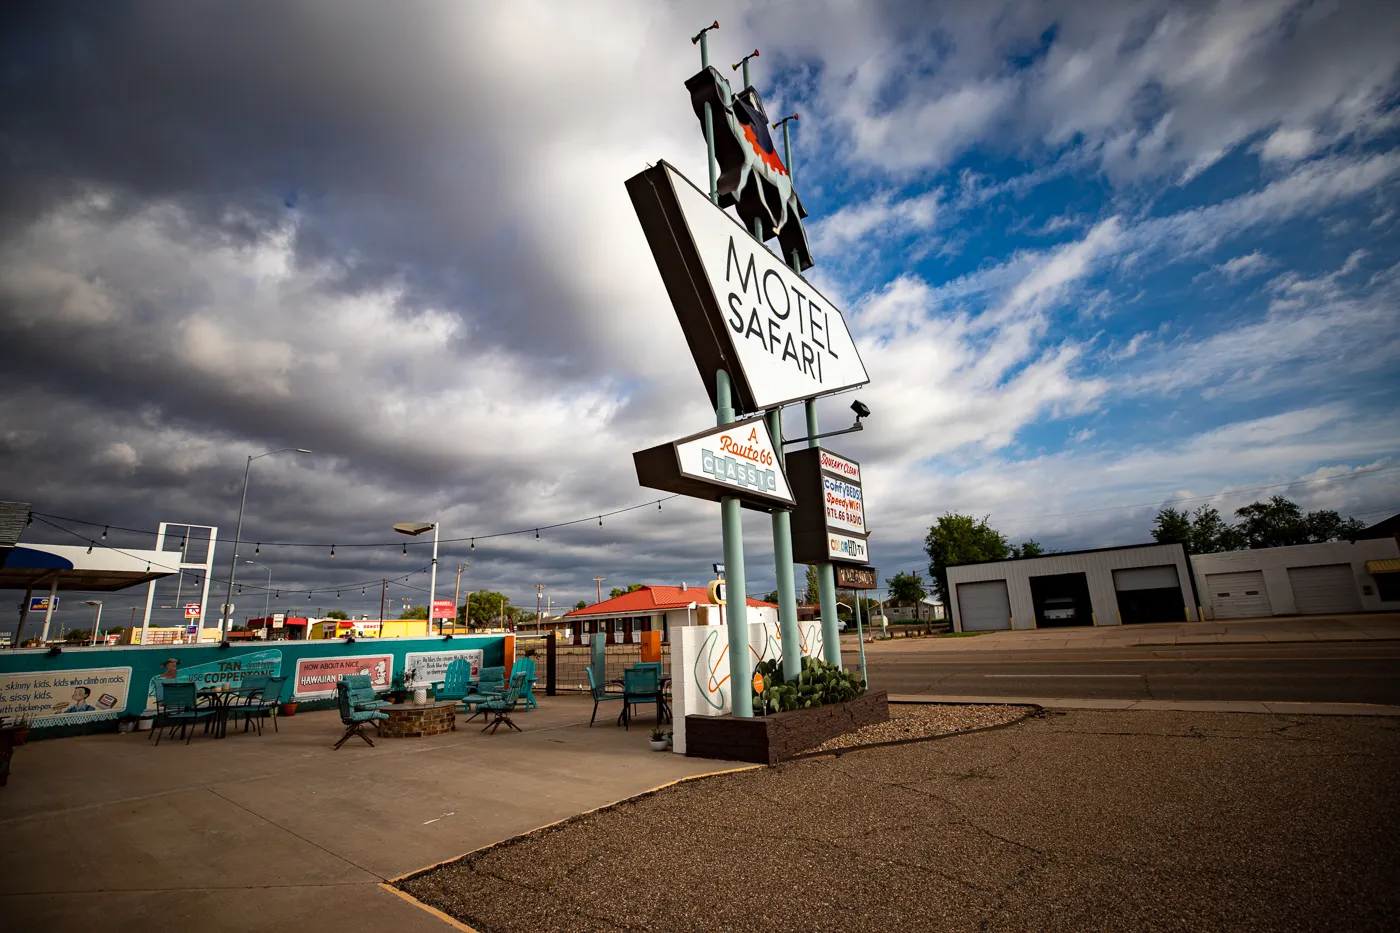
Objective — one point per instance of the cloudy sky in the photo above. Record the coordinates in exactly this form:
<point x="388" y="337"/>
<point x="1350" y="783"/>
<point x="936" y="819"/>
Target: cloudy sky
<point x="1097" y="257"/>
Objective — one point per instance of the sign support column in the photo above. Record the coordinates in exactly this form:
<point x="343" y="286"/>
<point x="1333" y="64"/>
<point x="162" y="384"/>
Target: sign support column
<point x="736" y="595"/>
<point x="826" y="575"/>
<point x="782" y="565"/>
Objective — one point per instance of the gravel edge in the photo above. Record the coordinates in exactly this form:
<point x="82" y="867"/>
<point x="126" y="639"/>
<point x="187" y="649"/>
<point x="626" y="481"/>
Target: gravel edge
<point x="1030" y="710"/>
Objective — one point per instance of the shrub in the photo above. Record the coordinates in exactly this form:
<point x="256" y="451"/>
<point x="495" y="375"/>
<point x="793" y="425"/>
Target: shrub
<point x="817" y="683"/>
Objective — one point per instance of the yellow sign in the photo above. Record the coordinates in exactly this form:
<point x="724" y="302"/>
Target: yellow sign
<point x="716" y="592"/>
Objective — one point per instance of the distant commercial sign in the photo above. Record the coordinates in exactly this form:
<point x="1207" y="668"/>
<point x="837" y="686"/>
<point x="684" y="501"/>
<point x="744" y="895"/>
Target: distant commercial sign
<point x="192" y="610"/>
<point x="857" y="578"/>
<point x="444" y="609"/>
<point x="41" y="603"/>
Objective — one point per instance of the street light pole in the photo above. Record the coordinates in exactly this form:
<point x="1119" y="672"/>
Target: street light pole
<point x="457" y="595"/>
<point x="267" y="595"/>
<point x="225" y="617"/>
<point x="97" y="623"/>
<point x="413" y="529"/>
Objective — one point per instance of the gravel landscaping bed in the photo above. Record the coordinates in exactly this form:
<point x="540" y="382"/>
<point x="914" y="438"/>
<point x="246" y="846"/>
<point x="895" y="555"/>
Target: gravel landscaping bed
<point x="921" y="721"/>
<point x="1064" y="822"/>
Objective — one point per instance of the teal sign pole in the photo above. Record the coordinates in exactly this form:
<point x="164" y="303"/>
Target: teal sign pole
<point x="782" y="564"/>
<point x="736" y="593"/>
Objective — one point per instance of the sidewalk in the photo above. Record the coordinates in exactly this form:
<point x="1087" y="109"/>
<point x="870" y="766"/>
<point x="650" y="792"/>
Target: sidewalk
<point x="1281" y="629"/>
<point x="279" y="832"/>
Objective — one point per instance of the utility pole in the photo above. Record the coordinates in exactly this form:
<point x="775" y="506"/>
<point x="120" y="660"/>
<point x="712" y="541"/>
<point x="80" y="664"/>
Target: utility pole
<point x="383" y="594"/>
<point x="539" y="592"/>
<point x="457" y="594"/>
<point x="599" y="581"/>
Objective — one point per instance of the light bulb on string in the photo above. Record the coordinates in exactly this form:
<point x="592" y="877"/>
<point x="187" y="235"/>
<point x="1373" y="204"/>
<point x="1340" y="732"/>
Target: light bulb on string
<point x="537" y="534"/>
<point x="332" y="552"/>
<point x="90" y="546"/>
<point x="600" y="521"/>
<point x="30" y="520"/>
<point x="257" y="550"/>
<point x="405" y="550"/>
<point x="473" y="544"/>
<point x="104" y="531"/>
<point x="337" y="594"/>
<point x="277" y="595"/>
<point x="182" y="542"/>
<point x="658" y="505"/>
<point x="362" y="591"/>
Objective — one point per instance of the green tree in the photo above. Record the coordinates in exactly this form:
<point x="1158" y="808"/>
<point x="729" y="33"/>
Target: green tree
<point x="412" y="612"/>
<point x="485" y="608"/>
<point x="337" y="614"/>
<point x="907" y="587"/>
<point x="78" y="635"/>
<point x="1327" y="525"/>
<point x="1172" y="526"/>
<point x="960" y="539"/>
<point x="813" y="591"/>
<point x="1211" y="534"/>
<point x="581" y="604"/>
<point x="1028" y="548"/>
<point x="770" y="597"/>
<point x="619" y="591"/>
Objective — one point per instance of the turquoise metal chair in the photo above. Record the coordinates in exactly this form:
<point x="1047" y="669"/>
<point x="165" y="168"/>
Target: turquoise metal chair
<point x="600" y="694"/>
<point x="528" y="666"/>
<point x="180" y="707"/>
<point x="262" y="703"/>
<point x="354" y="719"/>
<point x="502" y="707"/>
<point x="456" y="682"/>
<point x="641" y="686"/>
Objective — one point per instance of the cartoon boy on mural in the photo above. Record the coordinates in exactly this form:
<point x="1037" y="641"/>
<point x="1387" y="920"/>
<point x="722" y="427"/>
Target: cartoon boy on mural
<point x="80" y="703"/>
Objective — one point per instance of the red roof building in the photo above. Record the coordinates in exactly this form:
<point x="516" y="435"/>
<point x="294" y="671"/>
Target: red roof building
<point x="649" y="609"/>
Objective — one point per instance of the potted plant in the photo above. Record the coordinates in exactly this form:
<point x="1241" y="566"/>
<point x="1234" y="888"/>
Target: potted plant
<point x="19" y="731"/>
<point x="670" y="739"/>
<point x="127" y="724"/>
<point x="289" y="708"/>
<point x="658" y="740"/>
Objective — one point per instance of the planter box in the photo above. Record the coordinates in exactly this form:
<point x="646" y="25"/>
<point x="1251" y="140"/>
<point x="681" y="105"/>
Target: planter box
<point x="768" y="739"/>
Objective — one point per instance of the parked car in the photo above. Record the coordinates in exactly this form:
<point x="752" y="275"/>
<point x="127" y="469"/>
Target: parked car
<point x="1059" y="609"/>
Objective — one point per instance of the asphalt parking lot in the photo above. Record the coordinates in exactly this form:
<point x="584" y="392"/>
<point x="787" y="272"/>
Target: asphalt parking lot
<point x="1069" y="821"/>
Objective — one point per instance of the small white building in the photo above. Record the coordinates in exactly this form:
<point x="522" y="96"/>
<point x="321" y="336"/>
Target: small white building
<point x="1105" y="586"/>
<point x="1306" y="579"/>
<point x="623" y="619"/>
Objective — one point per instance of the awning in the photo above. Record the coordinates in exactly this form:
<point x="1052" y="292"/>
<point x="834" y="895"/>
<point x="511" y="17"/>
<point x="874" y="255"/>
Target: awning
<point x="74" y="568"/>
<point x="1386" y="565"/>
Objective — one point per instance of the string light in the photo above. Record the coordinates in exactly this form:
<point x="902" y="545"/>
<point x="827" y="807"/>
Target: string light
<point x="658" y="505"/>
<point x="600" y="521"/>
<point x="537" y="534"/>
<point x="405" y="550"/>
<point x="257" y="550"/>
<point x="332" y="552"/>
<point x="90" y="546"/>
<point x="182" y="542"/>
<point x="30" y="521"/>
<point x="277" y="595"/>
<point x="473" y="544"/>
<point x="104" y="531"/>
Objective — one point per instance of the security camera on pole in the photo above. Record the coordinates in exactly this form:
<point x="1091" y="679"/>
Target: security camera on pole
<point x="762" y="337"/>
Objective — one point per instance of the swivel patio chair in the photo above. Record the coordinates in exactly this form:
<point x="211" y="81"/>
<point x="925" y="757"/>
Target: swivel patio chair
<point x="180" y="707"/>
<point x="489" y="686"/>
<point x="503" y="707"/>
<point x="353" y="719"/>
<point x="599" y="693"/>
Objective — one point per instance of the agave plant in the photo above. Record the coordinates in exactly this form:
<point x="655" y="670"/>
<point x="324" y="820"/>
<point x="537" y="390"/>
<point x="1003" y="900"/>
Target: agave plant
<point x="816" y="684"/>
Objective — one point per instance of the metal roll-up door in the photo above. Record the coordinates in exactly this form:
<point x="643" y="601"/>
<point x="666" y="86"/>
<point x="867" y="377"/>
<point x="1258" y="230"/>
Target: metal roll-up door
<point x="1239" y="595"/>
<point x="1325" y="589"/>
<point x="984" y="607"/>
<point x="1149" y="594"/>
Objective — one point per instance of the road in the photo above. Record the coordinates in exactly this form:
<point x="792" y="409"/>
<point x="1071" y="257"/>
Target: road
<point x="1313" y="673"/>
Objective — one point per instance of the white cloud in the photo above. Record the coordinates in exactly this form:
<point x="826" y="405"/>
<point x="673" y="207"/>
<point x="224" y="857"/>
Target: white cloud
<point x="1242" y="267"/>
<point x="880" y="217"/>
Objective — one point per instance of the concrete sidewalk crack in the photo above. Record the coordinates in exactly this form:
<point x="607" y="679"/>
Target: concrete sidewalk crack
<point x="291" y="832"/>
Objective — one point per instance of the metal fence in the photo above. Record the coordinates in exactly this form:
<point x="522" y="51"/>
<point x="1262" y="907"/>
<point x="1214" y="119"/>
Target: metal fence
<point x="562" y="667"/>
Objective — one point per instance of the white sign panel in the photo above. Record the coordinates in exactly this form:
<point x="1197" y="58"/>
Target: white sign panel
<point x="791" y="343"/>
<point x="740" y="455"/>
<point x="845" y="508"/>
<point x="847" y="547"/>
<point x="846" y="469"/>
<point x="430" y="667"/>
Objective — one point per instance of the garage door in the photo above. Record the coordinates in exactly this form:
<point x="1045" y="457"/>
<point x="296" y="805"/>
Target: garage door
<point x="1238" y="595"/>
<point x="984" y="607"/>
<point x="1149" y="594"/>
<point x="1319" y="590"/>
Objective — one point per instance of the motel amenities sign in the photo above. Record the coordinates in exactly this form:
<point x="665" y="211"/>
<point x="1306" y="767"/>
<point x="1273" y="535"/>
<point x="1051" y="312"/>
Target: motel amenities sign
<point x="737" y="459"/>
<point x="829" y="521"/>
<point x="741" y="307"/>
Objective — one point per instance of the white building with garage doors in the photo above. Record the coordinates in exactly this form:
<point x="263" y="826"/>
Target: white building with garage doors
<point x="1306" y="579"/>
<point x="1106" y="586"/>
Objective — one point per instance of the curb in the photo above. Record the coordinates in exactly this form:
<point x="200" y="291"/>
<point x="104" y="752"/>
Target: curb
<point x="1256" y="707"/>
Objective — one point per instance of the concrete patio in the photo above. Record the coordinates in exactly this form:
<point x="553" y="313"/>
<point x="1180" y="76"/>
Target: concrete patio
<point x="253" y="833"/>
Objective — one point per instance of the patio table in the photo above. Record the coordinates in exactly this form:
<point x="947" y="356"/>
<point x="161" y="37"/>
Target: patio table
<point x="220" y="699"/>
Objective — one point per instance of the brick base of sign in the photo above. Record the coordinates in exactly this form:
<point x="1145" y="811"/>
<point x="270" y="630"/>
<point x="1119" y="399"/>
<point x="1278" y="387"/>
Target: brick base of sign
<point x="407" y="721"/>
<point x="770" y="739"/>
